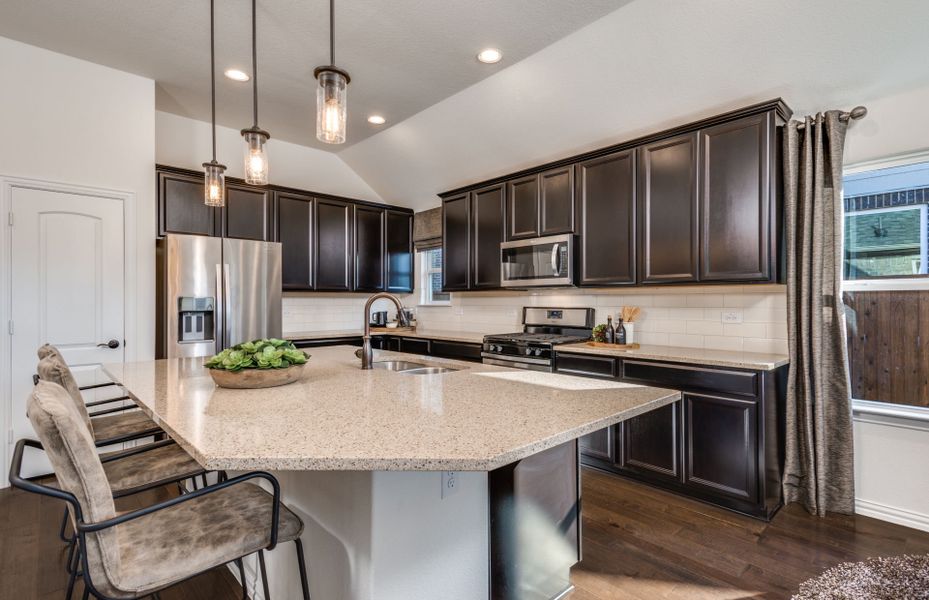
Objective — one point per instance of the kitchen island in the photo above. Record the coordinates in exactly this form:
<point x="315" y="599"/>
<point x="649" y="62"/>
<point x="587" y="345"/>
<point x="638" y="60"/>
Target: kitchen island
<point x="462" y="484"/>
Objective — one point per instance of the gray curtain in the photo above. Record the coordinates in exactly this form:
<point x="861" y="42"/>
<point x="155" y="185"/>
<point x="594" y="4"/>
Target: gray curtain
<point x="427" y="229"/>
<point x="819" y="465"/>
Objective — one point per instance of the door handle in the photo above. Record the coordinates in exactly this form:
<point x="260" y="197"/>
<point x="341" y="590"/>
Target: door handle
<point x="555" y="259"/>
<point x="112" y="344"/>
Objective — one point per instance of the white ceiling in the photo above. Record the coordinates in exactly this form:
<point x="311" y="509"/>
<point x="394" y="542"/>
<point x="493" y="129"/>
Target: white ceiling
<point x="650" y="65"/>
<point x="403" y="55"/>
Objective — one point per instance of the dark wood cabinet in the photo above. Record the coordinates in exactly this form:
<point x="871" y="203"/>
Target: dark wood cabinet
<point x="368" y="237"/>
<point x="414" y="345"/>
<point x="522" y="200"/>
<point x="457" y="350"/>
<point x="667" y="210"/>
<point x="556" y="201"/>
<point x="332" y="241"/>
<point x="294" y="232"/>
<point x="456" y="242"/>
<point x="599" y="445"/>
<point x="247" y="214"/>
<point x="736" y="165"/>
<point x="181" y="208"/>
<point x="722" y="445"/>
<point x="651" y="443"/>
<point x="606" y="196"/>
<point x="399" y="251"/>
<point x="488" y="209"/>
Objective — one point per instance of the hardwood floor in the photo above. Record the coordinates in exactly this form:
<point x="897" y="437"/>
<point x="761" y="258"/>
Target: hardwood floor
<point x="640" y="543"/>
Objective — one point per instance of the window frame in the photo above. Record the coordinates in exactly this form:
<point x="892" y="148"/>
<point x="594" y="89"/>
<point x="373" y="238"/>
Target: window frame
<point x="424" y="277"/>
<point x="900" y="282"/>
<point x="875" y="408"/>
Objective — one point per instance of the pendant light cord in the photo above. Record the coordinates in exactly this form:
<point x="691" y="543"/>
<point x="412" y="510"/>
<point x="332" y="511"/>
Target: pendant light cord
<point x="332" y="32"/>
<point x="254" y="63"/>
<point x="213" y="79"/>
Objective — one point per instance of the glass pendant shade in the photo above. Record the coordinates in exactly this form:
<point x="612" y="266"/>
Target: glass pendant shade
<point x="331" y="100"/>
<point x="214" y="184"/>
<point x="256" y="156"/>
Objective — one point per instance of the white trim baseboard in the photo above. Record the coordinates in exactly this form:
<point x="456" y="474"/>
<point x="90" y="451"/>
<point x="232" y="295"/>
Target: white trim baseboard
<point x="900" y="516"/>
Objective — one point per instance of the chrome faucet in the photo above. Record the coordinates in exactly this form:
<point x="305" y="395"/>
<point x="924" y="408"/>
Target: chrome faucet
<point x="367" y="354"/>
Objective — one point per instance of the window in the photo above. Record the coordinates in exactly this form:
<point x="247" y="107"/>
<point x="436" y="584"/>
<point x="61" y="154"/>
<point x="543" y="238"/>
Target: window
<point x="886" y="283"/>
<point x="430" y="278"/>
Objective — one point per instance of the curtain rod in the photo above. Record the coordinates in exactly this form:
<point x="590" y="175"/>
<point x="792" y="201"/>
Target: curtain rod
<point x="859" y="112"/>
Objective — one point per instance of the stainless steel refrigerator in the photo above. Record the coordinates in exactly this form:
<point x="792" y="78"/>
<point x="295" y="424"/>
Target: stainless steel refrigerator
<point x="214" y="293"/>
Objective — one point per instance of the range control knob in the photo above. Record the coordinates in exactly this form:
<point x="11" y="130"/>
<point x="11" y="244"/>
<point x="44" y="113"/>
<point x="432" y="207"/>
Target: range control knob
<point x="528" y="351"/>
<point x="538" y="352"/>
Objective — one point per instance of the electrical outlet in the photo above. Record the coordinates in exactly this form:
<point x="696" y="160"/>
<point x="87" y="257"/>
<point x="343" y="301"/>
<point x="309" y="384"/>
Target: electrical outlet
<point x="449" y="483"/>
<point x="731" y="316"/>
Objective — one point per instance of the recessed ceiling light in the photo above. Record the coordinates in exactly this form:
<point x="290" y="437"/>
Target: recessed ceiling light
<point x="236" y="75"/>
<point x="489" y="55"/>
<point x="376" y="120"/>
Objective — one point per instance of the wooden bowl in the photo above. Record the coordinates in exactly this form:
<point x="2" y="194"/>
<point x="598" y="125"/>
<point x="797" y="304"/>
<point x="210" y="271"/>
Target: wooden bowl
<point x="250" y="379"/>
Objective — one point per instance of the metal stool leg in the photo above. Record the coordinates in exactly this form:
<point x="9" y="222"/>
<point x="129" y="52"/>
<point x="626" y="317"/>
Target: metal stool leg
<point x="301" y="562"/>
<point x="64" y="524"/>
<point x="239" y="564"/>
<point x="264" y="574"/>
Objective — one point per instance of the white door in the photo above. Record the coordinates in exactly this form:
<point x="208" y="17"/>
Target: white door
<point x="67" y="254"/>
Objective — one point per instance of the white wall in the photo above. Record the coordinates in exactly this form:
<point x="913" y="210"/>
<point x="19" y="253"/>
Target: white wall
<point x="75" y="122"/>
<point x="183" y="142"/>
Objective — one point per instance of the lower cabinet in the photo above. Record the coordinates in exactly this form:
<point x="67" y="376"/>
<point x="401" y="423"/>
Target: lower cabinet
<point x="469" y="351"/>
<point x="721" y="443"/>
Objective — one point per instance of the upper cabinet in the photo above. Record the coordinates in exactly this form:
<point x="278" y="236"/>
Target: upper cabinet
<point x="456" y="242"/>
<point x="295" y="233"/>
<point x="181" y="208"/>
<point x="369" y="249"/>
<point x="667" y="207"/>
<point x="333" y="245"/>
<point x="399" y="251"/>
<point x="736" y="190"/>
<point x="488" y="209"/>
<point x="606" y="197"/>
<point x="697" y="203"/>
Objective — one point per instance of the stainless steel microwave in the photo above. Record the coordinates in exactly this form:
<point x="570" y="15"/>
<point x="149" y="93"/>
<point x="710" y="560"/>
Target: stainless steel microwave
<point x="538" y="262"/>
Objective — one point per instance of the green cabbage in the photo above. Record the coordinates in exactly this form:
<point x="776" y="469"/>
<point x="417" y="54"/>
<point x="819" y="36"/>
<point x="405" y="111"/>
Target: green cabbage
<point x="258" y="354"/>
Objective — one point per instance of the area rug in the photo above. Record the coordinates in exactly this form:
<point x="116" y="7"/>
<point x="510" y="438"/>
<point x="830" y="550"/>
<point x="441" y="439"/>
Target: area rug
<point x="890" y="578"/>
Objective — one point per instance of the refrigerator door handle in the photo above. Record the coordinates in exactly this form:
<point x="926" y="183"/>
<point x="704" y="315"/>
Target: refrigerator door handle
<point x="220" y="307"/>
<point x="227" y="299"/>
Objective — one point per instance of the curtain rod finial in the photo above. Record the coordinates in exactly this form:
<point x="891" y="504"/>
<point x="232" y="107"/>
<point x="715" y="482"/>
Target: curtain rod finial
<point x="858" y="112"/>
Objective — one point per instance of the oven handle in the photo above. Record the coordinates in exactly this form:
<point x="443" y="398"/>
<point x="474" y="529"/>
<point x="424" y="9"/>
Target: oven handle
<point x="519" y="359"/>
<point x="555" y="259"/>
<point x="517" y="365"/>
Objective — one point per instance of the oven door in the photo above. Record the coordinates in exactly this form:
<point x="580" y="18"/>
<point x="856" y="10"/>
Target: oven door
<point x="546" y="261"/>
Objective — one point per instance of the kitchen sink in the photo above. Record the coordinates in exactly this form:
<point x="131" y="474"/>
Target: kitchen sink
<point x="411" y="368"/>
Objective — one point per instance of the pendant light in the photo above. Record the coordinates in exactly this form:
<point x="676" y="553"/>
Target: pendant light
<point x="214" y="183"/>
<point x="256" y="156"/>
<point x="331" y="93"/>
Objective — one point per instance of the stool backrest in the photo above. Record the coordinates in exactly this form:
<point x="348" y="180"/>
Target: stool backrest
<point x="55" y="370"/>
<point x="71" y="451"/>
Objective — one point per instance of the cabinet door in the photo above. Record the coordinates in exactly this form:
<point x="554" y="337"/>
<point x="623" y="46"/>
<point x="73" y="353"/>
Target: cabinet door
<point x="651" y="444"/>
<point x="488" y="214"/>
<point x="369" y="249"/>
<point x="456" y="242"/>
<point x="294" y="232"/>
<point x="247" y="214"/>
<point x="667" y="211"/>
<point x="181" y="208"/>
<point x="606" y="192"/>
<point x="556" y="201"/>
<point x="332" y="256"/>
<point x="523" y="207"/>
<point x="414" y="346"/>
<point x="399" y="244"/>
<point x="735" y="200"/>
<point x="721" y="445"/>
<point x="599" y="444"/>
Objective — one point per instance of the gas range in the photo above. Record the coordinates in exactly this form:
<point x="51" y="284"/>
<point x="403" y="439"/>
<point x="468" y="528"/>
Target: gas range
<point x="543" y="329"/>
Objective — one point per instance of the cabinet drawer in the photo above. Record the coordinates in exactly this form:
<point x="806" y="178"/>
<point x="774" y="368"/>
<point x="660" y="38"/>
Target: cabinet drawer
<point x="743" y="383"/>
<point x="589" y="366"/>
<point x="460" y="350"/>
<point x="414" y="346"/>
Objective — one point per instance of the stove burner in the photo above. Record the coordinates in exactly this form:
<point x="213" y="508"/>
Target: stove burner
<point x="535" y="338"/>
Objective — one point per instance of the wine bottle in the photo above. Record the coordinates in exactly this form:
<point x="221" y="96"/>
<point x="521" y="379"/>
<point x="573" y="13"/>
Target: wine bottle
<point x="621" y="332"/>
<point x="610" y="332"/>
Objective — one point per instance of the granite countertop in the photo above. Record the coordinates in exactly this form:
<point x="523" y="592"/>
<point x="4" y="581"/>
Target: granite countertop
<point x="432" y="334"/>
<point x="762" y="361"/>
<point x="339" y="417"/>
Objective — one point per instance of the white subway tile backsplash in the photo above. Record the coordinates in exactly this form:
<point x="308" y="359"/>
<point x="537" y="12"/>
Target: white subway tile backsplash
<point x="688" y="316"/>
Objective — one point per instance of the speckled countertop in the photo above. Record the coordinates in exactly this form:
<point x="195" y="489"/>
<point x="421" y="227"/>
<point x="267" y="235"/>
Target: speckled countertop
<point x="339" y="417"/>
<point x="693" y="356"/>
<point x="432" y="334"/>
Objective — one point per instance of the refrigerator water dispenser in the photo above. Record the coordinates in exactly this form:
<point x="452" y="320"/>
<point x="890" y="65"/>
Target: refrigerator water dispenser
<point x="195" y="319"/>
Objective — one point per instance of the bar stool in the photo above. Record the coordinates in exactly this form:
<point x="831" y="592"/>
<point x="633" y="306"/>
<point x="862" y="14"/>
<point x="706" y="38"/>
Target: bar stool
<point x="130" y="555"/>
